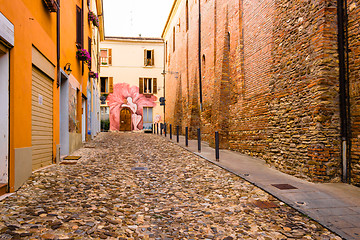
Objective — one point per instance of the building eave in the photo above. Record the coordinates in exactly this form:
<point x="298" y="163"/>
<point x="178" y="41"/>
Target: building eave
<point x="174" y="7"/>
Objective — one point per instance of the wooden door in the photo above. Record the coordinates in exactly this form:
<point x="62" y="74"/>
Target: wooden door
<point x="125" y="120"/>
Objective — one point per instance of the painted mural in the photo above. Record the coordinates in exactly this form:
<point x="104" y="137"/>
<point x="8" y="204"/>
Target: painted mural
<point x="126" y="96"/>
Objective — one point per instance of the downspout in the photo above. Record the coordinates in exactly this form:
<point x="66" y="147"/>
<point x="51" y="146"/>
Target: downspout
<point x="344" y="89"/>
<point x="58" y="44"/>
<point x="199" y="52"/>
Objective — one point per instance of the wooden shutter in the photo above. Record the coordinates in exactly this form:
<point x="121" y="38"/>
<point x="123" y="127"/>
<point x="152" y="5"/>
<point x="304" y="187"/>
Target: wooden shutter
<point x="155" y="85"/>
<point x="78" y="26"/>
<point x="89" y="47"/>
<point x="110" y="56"/>
<point x="145" y="57"/>
<point x="152" y="58"/>
<point x="111" y="84"/>
<point x="141" y="85"/>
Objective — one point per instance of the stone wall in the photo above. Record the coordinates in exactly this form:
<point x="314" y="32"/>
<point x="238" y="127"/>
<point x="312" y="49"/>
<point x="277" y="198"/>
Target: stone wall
<point x="270" y="81"/>
<point x="354" y="77"/>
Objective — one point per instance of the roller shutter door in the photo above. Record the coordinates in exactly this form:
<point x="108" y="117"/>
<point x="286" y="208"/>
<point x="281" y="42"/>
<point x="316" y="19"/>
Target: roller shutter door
<point x="42" y="120"/>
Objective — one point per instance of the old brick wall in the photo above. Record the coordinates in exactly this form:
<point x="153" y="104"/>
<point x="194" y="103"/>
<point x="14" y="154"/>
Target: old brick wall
<point x="270" y="81"/>
<point x="354" y="78"/>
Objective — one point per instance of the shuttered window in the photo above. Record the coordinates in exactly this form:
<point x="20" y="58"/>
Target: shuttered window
<point x="148" y="85"/>
<point x="149" y="58"/>
<point x="79" y="27"/>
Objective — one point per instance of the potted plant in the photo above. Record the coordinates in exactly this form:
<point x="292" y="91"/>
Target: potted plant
<point x="93" y="18"/>
<point x="83" y="55"/>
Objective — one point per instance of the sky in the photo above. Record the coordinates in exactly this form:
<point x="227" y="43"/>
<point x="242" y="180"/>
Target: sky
<point x="129" y="18"/>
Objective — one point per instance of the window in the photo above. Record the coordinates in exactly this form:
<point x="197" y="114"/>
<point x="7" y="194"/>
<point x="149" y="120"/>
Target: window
<point x="187" y="14"/>
<point x="106" y="84"/>
<point x="89" y="49"/>
<point x="147" y="85"/>
<point x="147" y="118"/>
<point x="166" y="50"/>
<point x="106" y="56"/>
<point x="79" y="27"/>
<point x="173" y="39"/>
<point x="148" y="57"/>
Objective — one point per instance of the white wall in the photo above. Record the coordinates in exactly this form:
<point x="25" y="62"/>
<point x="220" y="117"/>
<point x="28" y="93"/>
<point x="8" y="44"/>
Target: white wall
<point x="4" y="116"/>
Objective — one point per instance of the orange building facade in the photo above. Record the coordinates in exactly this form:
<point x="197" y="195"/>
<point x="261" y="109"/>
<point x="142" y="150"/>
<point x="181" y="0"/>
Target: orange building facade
<point x="37" y="50"/>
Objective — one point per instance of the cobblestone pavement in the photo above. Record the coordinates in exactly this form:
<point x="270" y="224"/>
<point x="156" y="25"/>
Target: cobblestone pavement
<point x="179" y="196"/>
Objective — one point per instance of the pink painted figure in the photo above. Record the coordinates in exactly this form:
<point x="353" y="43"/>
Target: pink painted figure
<point x="125" y="95"/>
<point x="135" y="119"/>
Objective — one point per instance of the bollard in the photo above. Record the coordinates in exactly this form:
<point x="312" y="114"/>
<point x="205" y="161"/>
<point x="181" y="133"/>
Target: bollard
<point x="170" y="132"/>
<point x="161" y="128"/>
<point x="199" y="139"/>
<point x="157" y="128"/>
<point x="186" y="136"/>
<point x="217" y="153"/>
<point x="165" y="129"/>
<point x="153" y="129"/>
<point x="177" y="133"/>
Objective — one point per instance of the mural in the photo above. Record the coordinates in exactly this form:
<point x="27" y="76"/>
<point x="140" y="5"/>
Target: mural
<point x="128" y="96"/>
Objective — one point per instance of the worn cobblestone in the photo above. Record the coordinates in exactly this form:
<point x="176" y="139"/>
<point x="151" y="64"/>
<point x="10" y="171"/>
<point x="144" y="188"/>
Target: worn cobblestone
<point x="177" y="196"/>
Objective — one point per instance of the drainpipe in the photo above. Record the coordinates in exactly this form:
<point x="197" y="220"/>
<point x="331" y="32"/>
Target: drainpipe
<point x="58" y="43"/>
<point x="200" y="75"/>
<point x="344" y="89"/>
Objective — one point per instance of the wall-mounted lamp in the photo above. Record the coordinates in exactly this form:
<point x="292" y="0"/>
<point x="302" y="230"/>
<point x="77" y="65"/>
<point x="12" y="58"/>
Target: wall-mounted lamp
<point x="67" y="68"/>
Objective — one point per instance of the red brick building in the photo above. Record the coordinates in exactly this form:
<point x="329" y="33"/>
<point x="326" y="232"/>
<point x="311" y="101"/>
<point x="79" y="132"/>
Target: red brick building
<point x="269" y="77"/>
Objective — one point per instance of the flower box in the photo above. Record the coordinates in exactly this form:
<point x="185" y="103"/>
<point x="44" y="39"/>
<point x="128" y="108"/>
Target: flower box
<point x="51" y="5"/>
<point x="83" y="55"/>
<point x="93" y="18"/>
<point x="93" y="74"/>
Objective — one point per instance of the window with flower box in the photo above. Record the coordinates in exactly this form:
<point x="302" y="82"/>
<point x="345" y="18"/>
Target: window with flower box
<point x="106" y="56"/>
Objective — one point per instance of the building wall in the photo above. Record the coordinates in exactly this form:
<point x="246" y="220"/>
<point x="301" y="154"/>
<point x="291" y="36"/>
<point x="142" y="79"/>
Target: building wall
<point x="34" y="18"/>
<point x="35" y="28"/>
<point x="354" y="67"/>
<point x="269" y="79"/>
<point x="126" y="69"/>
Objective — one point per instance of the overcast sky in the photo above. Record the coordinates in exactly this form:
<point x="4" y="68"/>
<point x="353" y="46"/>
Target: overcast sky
<point x="129" y="18"/>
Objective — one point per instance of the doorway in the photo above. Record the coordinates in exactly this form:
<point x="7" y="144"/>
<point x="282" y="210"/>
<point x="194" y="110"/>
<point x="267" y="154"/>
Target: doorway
<point x="64" y="114"/>
<point x="83" y="120"/>
<point x="4" y="119"/>
<point x="125" y="119"/>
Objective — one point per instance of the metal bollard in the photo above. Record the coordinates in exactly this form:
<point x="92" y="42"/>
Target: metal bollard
<point x="177" y="133"/>
<point x="217" y="153"/>
<point x="199" y="139"/>
<point x="186" y="136"/>
<point x="165" y="128"/>
<point x="170" y="132"/>
<point x="161" y="128"/>
<point x="157" y="128"/>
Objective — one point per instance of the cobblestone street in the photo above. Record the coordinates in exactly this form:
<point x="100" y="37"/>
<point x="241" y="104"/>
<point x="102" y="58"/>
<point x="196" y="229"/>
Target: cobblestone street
<point x="141" y="186"/>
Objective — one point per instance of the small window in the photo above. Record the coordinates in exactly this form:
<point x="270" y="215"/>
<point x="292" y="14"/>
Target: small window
<point x="104" y="84"/>
<point x="174" y="39"/>
<point x="149" y="57"/>
<point x="187" y="14"/>
<point x="148" y="85"/>
<point x="106" y="57"/>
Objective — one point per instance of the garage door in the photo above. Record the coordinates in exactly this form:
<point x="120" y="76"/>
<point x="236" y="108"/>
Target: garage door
<point x="42" y="119"/>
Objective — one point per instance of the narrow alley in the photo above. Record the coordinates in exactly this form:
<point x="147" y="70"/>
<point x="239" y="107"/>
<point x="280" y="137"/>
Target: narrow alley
<point x="142" y="186"/>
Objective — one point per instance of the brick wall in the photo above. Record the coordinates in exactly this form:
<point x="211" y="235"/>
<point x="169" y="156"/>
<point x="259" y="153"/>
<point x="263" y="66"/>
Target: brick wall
<point x="270" y="81"/>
